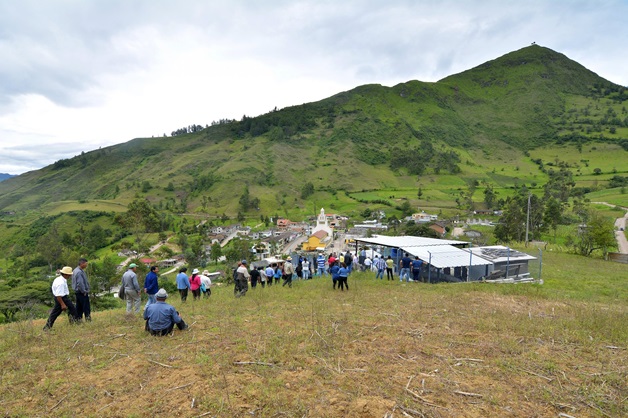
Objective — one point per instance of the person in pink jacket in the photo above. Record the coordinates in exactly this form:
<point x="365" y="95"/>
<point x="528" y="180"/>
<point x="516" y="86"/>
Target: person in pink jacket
<point x="195" y="284"/>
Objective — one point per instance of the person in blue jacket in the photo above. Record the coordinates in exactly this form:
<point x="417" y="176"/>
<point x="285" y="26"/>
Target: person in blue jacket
<point x="343" y="275"/>
<point x="183" y="283"/>
<point x="151" y="285"/>
<point x="334" y="272"/>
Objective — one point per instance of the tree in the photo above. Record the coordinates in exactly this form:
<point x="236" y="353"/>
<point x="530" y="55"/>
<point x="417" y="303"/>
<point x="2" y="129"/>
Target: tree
<point x="405" y="208"/>
<point x="489" y="196"/>
<point x="597" y="234"/>
<point x="140" y="219"/>
<point x="50" y="248"/>
<point x="307" y="190"/>
<point x="237" y="249"/>
<point x="103" y="275"/>
<point x="552" y="215"/>
<point x="216" y="252"/>
<point x="420" y="193"/>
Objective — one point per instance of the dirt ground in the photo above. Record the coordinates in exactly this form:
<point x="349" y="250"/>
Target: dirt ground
<point x="375" y="352"/>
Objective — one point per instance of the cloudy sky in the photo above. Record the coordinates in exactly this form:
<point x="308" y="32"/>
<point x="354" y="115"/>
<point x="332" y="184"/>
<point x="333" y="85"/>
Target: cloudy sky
<point x="76" y="75"/>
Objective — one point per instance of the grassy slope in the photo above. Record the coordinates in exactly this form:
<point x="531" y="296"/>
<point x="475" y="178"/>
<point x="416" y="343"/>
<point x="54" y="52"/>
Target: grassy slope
<point x="487" y="114"/>
<point x="524" y="350"/>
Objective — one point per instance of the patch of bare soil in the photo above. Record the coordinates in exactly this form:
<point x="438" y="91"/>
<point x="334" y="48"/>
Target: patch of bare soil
<point x="361" y="354"/>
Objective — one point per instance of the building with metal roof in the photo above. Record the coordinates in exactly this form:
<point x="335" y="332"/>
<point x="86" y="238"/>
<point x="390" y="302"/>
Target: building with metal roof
<point x="448" y="260"/>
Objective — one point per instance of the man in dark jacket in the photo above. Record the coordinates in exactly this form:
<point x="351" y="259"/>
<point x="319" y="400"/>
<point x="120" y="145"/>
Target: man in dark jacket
<point x="151" y="285"/>
<point x="80" y="284"/>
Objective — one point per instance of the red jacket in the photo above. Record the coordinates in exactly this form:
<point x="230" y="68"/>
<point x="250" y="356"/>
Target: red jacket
<point x="195" y="282"/>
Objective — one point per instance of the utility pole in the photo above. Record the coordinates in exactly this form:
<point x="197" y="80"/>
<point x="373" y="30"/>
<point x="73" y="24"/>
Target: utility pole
<point x="528" y="219"/>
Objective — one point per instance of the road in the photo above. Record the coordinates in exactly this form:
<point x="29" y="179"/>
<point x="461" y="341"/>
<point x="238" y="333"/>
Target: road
<point x="620" y="226"/>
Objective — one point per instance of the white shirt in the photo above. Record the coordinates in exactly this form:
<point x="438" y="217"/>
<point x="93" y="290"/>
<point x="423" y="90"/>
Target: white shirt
<point x="60" y="287"/>
<point x="206" y="281"/>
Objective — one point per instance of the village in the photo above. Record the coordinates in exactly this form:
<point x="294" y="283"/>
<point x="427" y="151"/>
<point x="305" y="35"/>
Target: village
<point x="447" y="260"/>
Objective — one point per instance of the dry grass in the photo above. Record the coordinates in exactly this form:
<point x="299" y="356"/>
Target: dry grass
<point x="381" y="349"/>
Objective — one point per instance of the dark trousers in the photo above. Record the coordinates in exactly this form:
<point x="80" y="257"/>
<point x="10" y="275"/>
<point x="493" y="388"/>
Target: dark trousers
<point x="181" y="325"/>
<point x="184" y="294"/>
<point x="416" y="275"/>
<point x="287" y="280"/>
<point x="269" y="280"/>
<point x="253" y="281"/>
<point x="343" y="282"/>
<point x="196" y="293"/>
<point x="389" y="273"/>
<point x="241" y="287"/>
<point x="83" y="307"/>
<point x="56" y="311"/>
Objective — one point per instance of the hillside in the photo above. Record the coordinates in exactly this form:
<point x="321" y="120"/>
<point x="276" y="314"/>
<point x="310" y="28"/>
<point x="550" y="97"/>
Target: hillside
<point x="369" y="138"/>
<point x="380" y="349"/>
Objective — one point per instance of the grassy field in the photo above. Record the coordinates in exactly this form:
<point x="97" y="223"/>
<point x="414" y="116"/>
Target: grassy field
<point x="381" y="349"/>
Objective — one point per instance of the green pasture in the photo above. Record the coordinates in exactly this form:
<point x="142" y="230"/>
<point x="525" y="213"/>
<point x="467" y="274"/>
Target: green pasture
<point x="609" y="158"/>
<point x="55" y="208"/>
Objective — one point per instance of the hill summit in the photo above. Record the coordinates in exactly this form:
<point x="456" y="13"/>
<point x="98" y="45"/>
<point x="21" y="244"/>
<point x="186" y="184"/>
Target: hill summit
<point x="371" y="137"/>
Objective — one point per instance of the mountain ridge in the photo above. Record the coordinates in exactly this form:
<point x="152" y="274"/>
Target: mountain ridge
<point x="393" y="133"/>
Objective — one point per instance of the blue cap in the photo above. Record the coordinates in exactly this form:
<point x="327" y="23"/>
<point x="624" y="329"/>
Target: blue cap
<point x="243" y="261"/>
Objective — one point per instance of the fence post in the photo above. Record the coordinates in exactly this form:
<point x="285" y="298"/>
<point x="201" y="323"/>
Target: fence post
<point x="429" y="269"/>
<point x="540" y="262"/>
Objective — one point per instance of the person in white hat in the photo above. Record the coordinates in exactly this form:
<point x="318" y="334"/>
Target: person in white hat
<point x="206" y="283"/>
<point x="61" y="292"/>
<point x="288" y="272"/>
<point x="161" y="317"/>
<point x="195" y="284"/>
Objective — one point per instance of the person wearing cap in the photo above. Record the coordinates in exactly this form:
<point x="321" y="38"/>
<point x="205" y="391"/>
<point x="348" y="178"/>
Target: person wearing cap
<point x="288" y="272"/>
<point x="161" y="317"/>
<point x="206" y="283"/>
<point x="151" y="285"/>
<point x="183" y="283"/>
<point x="61" y="292"/>
<point x="131" y="289"/>
<point x="241" y="280"/>
<point x="195" y="284"/>
<point x="80" y="284"/>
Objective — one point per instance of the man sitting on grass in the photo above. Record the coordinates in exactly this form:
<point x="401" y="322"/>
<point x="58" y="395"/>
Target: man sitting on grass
<point x="161" y="317"/>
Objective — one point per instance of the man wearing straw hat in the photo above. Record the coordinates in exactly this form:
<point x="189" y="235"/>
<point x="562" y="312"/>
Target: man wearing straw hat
<point x="61" y="292"/>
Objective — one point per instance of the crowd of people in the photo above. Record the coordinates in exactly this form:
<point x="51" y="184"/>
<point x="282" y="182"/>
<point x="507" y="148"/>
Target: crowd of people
<point x="161" y="317"/>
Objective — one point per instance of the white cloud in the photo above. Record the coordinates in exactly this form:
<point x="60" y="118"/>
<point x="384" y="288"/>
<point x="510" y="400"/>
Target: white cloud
<point x="79" y="75"/>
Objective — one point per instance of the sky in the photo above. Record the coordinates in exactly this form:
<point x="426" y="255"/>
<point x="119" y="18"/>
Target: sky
<point x="77" y="75"/>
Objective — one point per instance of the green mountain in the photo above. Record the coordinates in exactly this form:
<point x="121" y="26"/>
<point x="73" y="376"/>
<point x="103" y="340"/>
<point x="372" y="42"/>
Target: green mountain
<point x="479" y="125"/>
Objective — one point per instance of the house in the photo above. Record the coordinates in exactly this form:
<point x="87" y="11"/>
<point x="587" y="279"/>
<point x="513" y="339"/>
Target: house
<point x="316" y="241"/>
<point x="439" y="228"/>
<point x="423" y="217"/>
<point x="147" y="261"/>
<point x="283" y="223"/>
